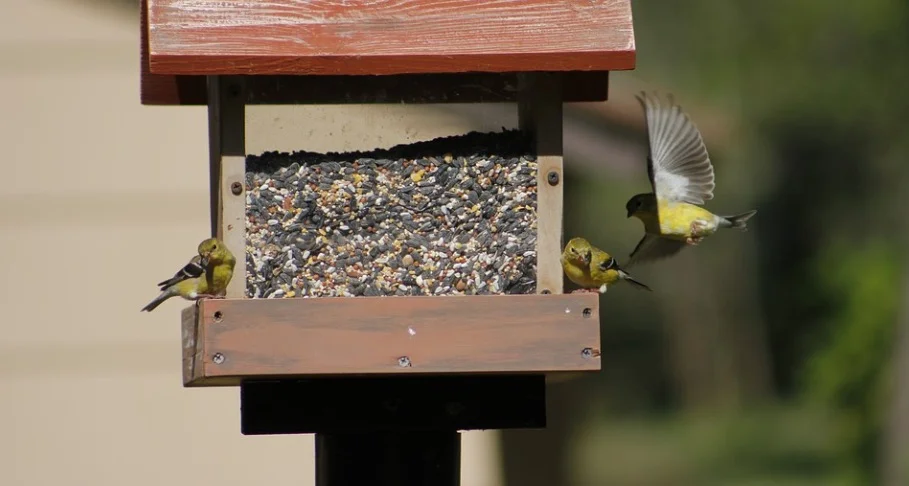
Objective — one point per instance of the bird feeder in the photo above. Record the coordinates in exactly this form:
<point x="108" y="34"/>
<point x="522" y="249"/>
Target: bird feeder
<point x="386" y="366"/>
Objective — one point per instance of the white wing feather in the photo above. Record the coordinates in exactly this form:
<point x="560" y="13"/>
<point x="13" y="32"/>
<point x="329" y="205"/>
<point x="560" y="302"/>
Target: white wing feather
<point x="679" y="166"/>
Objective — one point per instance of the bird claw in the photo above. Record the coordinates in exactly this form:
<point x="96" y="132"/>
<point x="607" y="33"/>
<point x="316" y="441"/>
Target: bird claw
<point x="697" y="230"/>
<point x="582" y="291"/>
<point x="210" y="296"/>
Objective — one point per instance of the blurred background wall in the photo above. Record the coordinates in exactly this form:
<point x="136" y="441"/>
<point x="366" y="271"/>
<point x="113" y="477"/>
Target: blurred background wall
<point x="777" y="356"/>
<point x="101" y="198"/>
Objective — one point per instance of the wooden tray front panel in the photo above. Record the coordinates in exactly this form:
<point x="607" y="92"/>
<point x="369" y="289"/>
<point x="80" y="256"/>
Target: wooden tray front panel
<point x="228" y="340"/>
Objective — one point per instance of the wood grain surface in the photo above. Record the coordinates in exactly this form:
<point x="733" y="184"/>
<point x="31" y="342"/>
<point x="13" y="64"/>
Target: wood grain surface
<point x="158" y="89"/>
<point x="235" y="339"/>
<point x="388" y="36"/>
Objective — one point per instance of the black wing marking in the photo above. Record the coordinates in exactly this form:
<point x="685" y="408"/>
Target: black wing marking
<point x="609" y="264"/>
<point x="193" y="269"/>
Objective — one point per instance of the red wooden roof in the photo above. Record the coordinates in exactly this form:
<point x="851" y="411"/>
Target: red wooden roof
<point x="366" y="37"/>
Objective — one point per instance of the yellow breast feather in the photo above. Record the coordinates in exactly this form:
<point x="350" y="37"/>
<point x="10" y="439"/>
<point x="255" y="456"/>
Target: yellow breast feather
<point x="580" y="276"/>
<point x="681" y="221"/>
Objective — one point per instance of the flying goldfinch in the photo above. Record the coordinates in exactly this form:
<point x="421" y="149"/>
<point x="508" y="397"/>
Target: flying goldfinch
<point x="682" y="177"/>
<point x="205" y="276"/>
<point x="591" y="268"/>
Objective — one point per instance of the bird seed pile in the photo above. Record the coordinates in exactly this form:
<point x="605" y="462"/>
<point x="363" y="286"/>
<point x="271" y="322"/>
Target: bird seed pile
<point x="454" y="215"/>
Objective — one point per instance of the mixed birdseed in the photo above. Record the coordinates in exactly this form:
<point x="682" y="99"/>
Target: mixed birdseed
<point x="454" y="215"/>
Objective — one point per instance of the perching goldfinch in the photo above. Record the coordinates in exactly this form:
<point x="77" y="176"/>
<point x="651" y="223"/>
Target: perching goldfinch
<point x="205" y="276"/>
<point x="591" y="268"/>
<point x="681" y="175"/>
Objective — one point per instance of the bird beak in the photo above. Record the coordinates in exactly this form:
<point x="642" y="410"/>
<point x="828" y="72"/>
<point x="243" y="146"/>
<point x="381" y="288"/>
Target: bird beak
<point x="586" y="258"/>
<point x="630" y="212"/>
<point x="204" y="261"/>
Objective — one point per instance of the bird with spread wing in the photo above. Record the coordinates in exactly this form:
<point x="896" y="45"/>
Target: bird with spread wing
<point x="682" y="178"/>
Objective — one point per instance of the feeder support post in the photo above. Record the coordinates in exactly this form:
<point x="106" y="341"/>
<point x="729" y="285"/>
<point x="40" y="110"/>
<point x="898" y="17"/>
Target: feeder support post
<point x="227" y="170"/>
<point x="416" y="458"/>
<point x="540" y="114"/>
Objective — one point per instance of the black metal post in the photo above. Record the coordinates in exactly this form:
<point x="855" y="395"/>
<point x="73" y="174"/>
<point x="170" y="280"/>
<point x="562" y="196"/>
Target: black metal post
<point x="394" y="431"/>
<point x="413" y="458"/>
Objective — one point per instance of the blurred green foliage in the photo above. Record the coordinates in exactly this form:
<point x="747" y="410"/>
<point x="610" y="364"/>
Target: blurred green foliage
<point x="768" y="446"/>
<point x="848" y="372"/>
<point x="817" y="92"/>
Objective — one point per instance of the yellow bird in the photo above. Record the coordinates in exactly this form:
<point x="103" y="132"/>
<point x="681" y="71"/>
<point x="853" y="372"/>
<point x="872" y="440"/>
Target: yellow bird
<point x="591" y="268"/>
<point x="205" y="276"/>
<point x="681" y="175"/>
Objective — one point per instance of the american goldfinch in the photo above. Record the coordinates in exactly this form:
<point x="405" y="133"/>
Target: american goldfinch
<point x="681" y="175"/>
<point x="205" y="276"/>
<point x="591" y="268"/>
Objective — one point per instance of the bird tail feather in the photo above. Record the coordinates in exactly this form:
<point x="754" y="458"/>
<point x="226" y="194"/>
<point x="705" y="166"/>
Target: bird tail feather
<point x="628" y="278"/>
<point x="158" y="300"/>
<point x="167" y="283"/>
<point x="738" y="221"/>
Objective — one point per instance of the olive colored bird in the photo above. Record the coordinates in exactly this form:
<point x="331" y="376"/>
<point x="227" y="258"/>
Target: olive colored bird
<point x="682" y="177"/>
<point x="205" y="276"/>
<point x="591" y="268"/>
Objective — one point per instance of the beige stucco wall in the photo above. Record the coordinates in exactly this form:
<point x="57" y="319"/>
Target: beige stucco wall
<point x="100" y="198"/>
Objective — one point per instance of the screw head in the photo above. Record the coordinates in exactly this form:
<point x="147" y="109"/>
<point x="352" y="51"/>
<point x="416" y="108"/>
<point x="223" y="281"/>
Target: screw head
<point x="587" y="353"/>
<point x="236" y="188"/>
<point x="218" y="358"/>
<point x="552" y="178"/>
<point x="404" y="362"/>
<point x="587" y="312"/>
<point x="218" y="316"/>
<point x="545" y="291"/>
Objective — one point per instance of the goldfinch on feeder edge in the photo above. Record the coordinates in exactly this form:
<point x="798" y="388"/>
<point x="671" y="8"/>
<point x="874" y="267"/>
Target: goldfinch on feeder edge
<point x="205" y="276"/>
<point x="681" y="175"/>
<point x="591" y="268"/>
